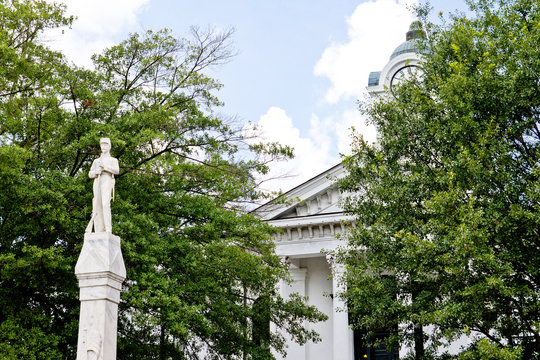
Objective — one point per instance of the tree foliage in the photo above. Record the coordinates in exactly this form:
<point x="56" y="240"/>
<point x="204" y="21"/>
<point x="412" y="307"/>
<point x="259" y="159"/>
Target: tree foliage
<point x="447" y="201"/>
<point x="198" y="266"/>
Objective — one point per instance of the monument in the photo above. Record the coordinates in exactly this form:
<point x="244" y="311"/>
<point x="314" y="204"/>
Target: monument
<point x="100" y="268"/>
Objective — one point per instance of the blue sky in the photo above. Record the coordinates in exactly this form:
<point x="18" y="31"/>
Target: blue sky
<point x="300" y="68"/>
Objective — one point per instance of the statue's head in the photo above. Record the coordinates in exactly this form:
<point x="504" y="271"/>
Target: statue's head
<point x="105" y="144"/>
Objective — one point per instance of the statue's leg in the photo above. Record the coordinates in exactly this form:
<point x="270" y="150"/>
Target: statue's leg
<point x="106" y="194"/>
<point x="97" y="204"/>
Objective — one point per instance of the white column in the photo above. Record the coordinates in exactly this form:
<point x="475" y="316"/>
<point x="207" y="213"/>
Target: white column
<point x="342" y="334"/>
<point x="298" y="285"/>
<point x="100" y="270"/>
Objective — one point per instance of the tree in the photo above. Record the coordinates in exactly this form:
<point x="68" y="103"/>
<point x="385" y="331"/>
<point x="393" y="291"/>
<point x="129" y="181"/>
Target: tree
<point x="447" y="200"/>
<point x="196" y="260"/>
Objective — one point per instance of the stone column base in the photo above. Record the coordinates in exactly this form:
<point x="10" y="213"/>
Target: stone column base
<point x="100" y="271"/>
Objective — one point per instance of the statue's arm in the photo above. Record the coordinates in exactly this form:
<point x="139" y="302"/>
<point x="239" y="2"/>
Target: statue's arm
<point x="113" y="167"/>
<point x="94" y="170"/>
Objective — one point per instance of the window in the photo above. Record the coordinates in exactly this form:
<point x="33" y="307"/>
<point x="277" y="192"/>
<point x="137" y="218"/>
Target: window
<point x="378" y="349"/>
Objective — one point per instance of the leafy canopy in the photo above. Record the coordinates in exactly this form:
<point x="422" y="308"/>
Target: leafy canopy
<point x="447" y="201"/>
<point x="199" y="267"/>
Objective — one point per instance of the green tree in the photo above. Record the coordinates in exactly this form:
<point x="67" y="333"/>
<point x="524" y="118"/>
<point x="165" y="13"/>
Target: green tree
<point x="447" y="201"/>
<point x="198" y="264"/>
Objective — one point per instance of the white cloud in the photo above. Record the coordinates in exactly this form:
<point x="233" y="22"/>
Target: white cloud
<point x="98" y="24"/>
<point x="312" y="154"/>
<point x="352" y="119"/>
<point x="104" y="17"/>
<point x="375" y="28"/>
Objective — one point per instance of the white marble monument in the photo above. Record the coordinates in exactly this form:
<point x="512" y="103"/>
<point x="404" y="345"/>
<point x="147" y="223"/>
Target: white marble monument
<point x="102" y="171"/>
<point x="100" y="268"/>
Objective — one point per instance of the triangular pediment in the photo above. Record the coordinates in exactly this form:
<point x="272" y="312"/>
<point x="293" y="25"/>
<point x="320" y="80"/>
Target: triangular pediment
<point x="317" y="196"/>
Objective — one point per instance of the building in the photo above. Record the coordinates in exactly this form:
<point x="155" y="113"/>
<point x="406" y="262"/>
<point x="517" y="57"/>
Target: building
<point x="311" y="224"/>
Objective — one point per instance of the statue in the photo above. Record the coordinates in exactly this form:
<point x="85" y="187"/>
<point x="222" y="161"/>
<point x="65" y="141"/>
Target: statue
<point x="103" y="170"/>
<point x="100" y="268"/>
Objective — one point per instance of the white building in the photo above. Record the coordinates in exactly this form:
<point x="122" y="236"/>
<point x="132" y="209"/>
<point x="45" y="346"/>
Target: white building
<point x="310" y="225"/>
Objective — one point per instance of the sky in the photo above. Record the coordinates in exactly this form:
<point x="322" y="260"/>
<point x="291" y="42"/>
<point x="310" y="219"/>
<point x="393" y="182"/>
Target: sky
<point x="300" y="69"/>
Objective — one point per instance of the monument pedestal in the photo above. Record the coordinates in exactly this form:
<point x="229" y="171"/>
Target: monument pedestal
<point x="100" y="271"/>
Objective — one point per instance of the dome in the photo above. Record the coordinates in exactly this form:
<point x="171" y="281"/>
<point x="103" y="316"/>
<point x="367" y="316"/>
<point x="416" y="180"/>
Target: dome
<point x="415" y="32"/>
<point x="403" y="48"/>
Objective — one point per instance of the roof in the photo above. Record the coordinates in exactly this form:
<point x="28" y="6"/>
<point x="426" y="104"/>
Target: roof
<point x="320" y="183"/>
<point x="415" y="32"/>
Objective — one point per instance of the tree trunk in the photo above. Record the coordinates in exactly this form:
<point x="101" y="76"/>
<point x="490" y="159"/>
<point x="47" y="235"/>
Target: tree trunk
<point x="418" y="341"/>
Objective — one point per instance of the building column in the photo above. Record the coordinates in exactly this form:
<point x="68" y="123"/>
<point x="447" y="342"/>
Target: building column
<point x="298" y="285"/>
<point x="342" y="334"/>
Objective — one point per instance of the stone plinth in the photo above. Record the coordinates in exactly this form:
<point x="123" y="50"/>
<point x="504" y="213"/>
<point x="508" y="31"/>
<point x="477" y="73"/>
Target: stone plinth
<point x="100" y="271"/>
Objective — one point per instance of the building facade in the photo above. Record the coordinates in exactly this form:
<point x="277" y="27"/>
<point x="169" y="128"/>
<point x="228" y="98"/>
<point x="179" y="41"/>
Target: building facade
<point x="314" y="223"/>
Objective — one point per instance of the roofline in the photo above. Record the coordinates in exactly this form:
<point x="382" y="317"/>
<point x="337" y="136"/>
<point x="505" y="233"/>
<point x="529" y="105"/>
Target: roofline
<point x="296" y="187"/>
<point x="311" y="215"/>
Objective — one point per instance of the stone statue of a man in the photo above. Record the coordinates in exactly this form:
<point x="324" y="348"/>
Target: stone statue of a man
<point x="103" y="170"/>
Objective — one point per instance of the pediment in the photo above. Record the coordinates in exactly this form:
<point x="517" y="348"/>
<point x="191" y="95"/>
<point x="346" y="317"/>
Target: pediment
<point x="317" y="196"/>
